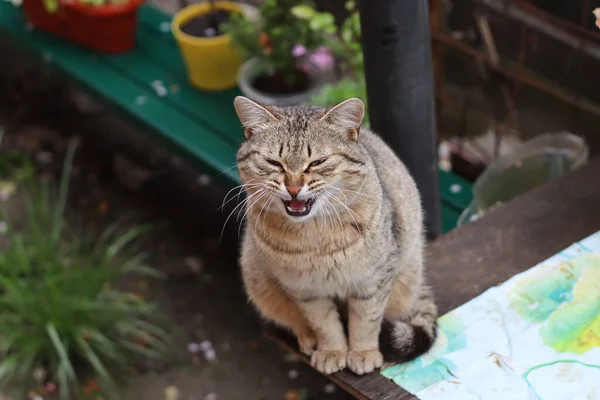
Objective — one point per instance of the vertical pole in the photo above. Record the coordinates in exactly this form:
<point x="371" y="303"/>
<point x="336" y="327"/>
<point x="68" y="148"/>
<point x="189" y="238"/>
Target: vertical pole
<point x="399" y="74"/>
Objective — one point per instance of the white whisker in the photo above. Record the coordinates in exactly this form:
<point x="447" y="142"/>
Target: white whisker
<point x="352" y="191"/>
<point x="336" y="211"/>
<point x="236" y="207"/>
<point x="248" y="207"/>
<point x="352" y="213"/>
<point x="264" y="192"/>
<point x="326" y="208"/>
<point x="254" y="185"/>
<point x="226" y="169"/>
<point x="227" y="194"/>
<point x="342" y="203"/>
<point x="268" y="205"/>
<point x="241" y="187"/>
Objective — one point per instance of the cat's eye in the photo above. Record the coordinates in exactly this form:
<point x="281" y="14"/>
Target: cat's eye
<point x="274" y="163"/>
<point x="317" y="162"/>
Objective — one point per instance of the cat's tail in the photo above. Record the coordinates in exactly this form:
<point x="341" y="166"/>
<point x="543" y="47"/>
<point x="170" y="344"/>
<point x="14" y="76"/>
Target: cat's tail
<point x="407" y="338"/>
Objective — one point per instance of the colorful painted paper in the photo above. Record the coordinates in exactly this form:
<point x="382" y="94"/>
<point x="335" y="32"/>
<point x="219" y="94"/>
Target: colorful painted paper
<point x="535" y="337"/>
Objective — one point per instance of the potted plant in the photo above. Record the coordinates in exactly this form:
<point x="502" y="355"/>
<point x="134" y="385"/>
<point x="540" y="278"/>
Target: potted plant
<point x="286" y="52"/>
<point x="103" y="25"/>
<point x="348" y="51"/>
<point x="212" y="63"/>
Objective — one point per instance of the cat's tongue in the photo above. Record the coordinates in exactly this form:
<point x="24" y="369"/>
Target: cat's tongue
<point x="297" y="205"/>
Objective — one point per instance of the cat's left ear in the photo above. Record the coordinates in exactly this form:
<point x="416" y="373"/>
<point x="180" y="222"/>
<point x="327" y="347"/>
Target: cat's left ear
<point x="348" y="116"/>
<point x="252" y="115"/>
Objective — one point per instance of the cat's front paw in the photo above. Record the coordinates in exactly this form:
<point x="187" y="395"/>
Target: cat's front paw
<point x="329" y="361"/>
<point x="307" y="342"/>
<point x="363" y="362"/>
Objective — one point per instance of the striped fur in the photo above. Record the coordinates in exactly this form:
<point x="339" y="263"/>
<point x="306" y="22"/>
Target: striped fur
<point x="361" y="243"/>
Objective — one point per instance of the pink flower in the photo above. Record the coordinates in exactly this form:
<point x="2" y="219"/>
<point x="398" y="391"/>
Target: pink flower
<point x="298" y="50"/>
<point x="322" y="58"/>
<point x="50" y="387"/>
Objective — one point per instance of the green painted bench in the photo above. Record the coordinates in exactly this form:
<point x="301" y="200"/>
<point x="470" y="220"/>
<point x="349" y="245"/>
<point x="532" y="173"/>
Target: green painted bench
<point x="201" y="125"/>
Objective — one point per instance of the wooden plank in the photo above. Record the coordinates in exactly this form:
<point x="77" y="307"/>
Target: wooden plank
<point x="509" y="239"/>
<point x="370" y="387"/>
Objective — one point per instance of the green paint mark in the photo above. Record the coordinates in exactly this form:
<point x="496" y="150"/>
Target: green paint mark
<point x="575" y="327"/>
<point x="453" y="329"/>
<point x="566" y="301"/>
<point x="432" y="367"/>
<point x="549" y="364"/>
<point x="414" y="377"/>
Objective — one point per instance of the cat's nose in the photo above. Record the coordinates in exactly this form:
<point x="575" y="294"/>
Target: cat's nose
<point x="294" y="189"/>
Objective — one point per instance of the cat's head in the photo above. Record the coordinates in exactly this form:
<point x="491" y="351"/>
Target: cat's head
<point x="301" y="161"/>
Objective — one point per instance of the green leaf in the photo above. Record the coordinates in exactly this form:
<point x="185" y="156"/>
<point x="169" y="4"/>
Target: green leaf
<point x="8" y="366"/>
<point x="138" y="350"/>
<point x="51" y="6"/>
<point x="303" y="12"/>
<point x="323" y="22"/>
<point x="63" y="382"/>
<point x="96" y="363"/>
<point x="108" y="347"/>
<point x="64" y="187"/>
<point x="123" y="241"/>
<point x="347" y="35"/>
<point x="61" y="350"/>
<point x="133" y="267"/>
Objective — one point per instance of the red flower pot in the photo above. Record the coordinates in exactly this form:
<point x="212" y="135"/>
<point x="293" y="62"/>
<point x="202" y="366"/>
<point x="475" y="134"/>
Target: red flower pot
<point x="38" y="16"/>
<point x="108" y="28"/>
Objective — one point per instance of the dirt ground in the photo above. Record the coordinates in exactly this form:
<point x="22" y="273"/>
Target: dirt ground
<point x="121" y="174"/>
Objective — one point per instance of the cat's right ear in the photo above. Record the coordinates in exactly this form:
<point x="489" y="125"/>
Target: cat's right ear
<point x="347" y="116"/>
<point x="252" y="115"/>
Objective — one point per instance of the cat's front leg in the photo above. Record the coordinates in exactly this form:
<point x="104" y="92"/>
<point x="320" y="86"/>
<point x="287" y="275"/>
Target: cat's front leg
<point x="332" y="347"/>
<point x="364" y="325"/>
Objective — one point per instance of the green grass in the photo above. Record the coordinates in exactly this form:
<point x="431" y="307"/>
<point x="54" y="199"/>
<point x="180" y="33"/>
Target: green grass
<point x="60" y="310"/>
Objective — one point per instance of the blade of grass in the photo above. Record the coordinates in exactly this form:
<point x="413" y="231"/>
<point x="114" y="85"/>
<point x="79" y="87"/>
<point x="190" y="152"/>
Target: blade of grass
<point x="109" y="348"/>
<point x="63" y="383"/>
<point x="63" y="355"/>
<point x="123" y="240"/>
<point x="8" y="367"/>
<point x="143" y="270"/>
<point x="141" y="350"/>
<point x="63" y="189"/>
<point x="96" y="364"/>
<point x="152" y="342"/>
<point x="154" y="330"/>
<point x="27" y="355"/>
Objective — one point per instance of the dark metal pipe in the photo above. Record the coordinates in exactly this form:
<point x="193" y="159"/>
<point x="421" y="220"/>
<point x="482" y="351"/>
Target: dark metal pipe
<point x="399" y="74"/>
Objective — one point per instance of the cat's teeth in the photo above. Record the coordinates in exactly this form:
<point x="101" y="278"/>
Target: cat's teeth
<point x="290" y="209"/>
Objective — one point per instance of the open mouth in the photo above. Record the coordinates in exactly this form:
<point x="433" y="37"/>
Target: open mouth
<point x="298" y="208"/>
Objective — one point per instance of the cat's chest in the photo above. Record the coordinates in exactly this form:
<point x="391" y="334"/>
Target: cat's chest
<point x="326" y="275"/>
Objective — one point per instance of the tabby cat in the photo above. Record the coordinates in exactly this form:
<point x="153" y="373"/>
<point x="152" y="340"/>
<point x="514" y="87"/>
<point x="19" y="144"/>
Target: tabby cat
<point x="333" y="219"/>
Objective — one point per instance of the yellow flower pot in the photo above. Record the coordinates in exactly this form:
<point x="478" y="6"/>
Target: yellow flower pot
<point x="212" y="63"/>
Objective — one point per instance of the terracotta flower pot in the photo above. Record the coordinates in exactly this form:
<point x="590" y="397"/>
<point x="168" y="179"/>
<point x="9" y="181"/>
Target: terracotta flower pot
<point x="107" y="28"/>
